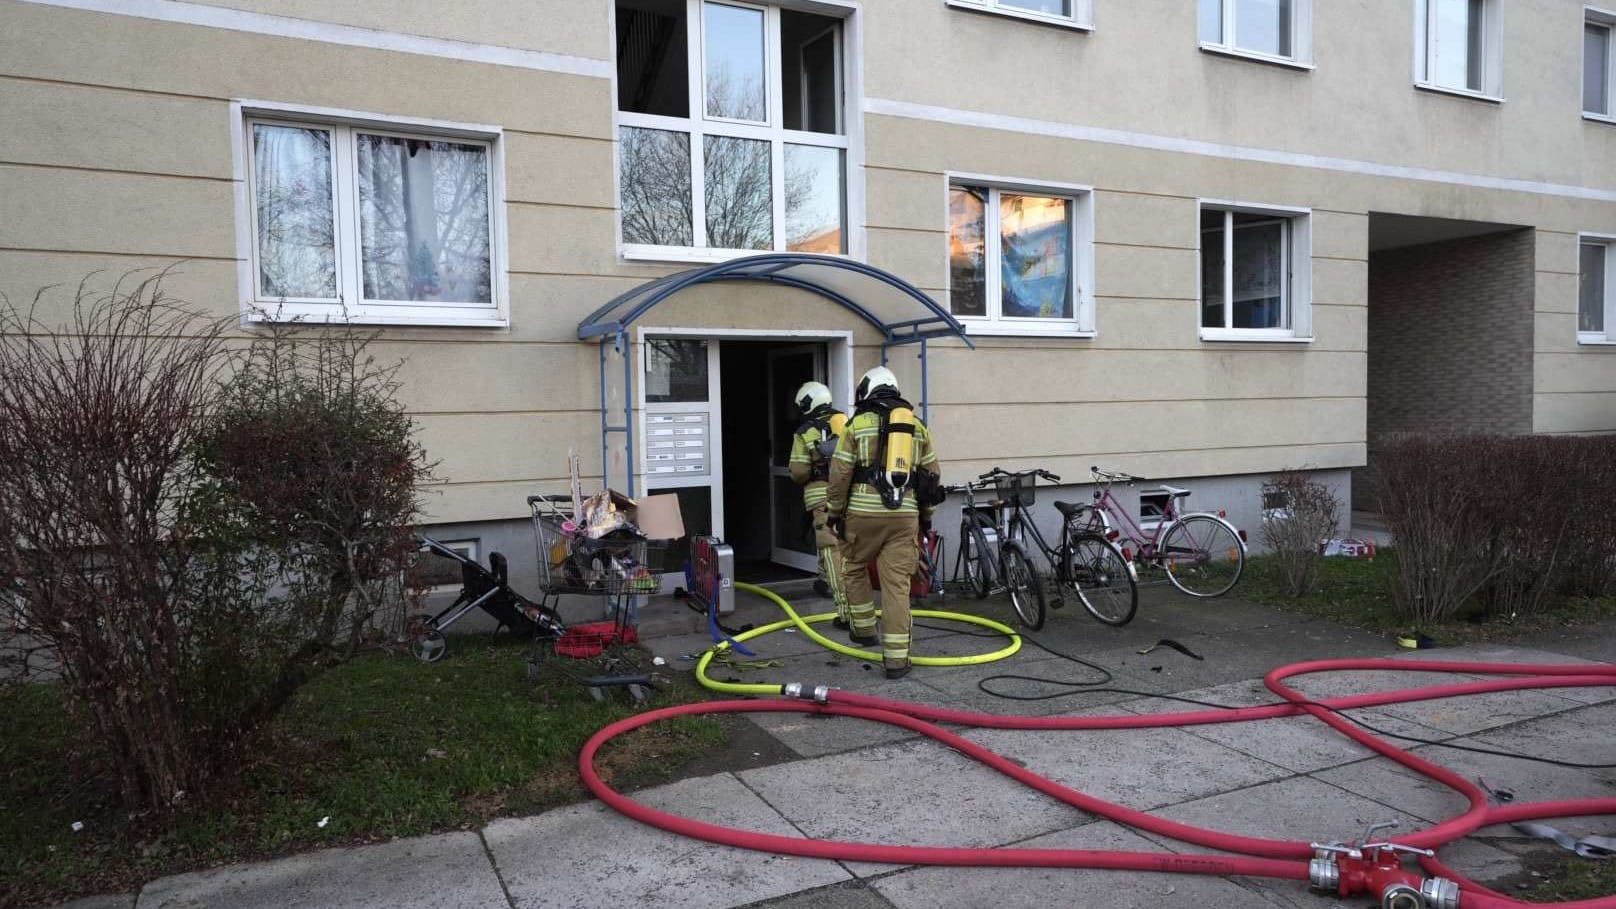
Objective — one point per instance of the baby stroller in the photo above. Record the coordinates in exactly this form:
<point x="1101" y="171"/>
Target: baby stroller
<point x="480" y="588"/>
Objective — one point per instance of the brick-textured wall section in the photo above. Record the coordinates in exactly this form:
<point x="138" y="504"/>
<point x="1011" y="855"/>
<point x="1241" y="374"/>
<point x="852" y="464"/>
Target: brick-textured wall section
<point x="1450" y="337"/>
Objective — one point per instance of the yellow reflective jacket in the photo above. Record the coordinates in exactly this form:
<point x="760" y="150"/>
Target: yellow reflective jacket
<point x="860" y="447"/>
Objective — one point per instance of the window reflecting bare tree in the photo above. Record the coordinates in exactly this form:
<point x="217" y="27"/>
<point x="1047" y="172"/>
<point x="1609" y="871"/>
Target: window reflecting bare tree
<point x="655" y="187"/>
<point x="740" y="190"/>
<point x="423" y="220"/>
<point x="292" y="183"/>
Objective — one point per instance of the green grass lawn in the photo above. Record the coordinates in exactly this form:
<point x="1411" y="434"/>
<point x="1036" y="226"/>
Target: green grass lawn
<point x="1358" y="592"/>
<point x="382" y="746"/>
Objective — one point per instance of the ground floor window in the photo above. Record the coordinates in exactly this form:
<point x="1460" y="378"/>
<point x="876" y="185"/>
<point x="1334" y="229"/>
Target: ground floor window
<point x="1255" y="265"/>
<point x="1020" y="257"/>
<point x="369" y="222"/>
<point x="1596" y="289"/>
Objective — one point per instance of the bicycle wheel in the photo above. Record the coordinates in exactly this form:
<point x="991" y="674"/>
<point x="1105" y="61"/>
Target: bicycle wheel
<point x="975" y="558"/>
<point x="1025" y="586"/>
<point x="1204" y="557"/>
<point x="1102" y="578"/>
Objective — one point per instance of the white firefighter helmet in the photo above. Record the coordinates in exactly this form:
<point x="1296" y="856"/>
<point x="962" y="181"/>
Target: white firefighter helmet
<point x="874" y="380"/>
<point x="812" y="396"/>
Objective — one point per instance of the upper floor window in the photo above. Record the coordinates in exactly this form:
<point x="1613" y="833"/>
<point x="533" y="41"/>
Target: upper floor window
<point x="1278" y="30"/>
<point x="1598" y="75"/>
<point x="370" y="223"/>
<point x="1596" y="290"/>
<point x="1020" y="257"/>
<point x="731" y="129"/>
<point x="1070" y="13"/>
<point x="1255" y="273"/>
<point x="1457" y="46"/>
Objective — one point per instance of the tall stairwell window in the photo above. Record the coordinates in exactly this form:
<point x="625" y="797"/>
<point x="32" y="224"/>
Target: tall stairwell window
<point x="731" y="129"/>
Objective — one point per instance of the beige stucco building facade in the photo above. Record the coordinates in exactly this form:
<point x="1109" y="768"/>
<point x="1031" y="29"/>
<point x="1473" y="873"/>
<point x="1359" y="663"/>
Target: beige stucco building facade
<point x="1157" y="219"/>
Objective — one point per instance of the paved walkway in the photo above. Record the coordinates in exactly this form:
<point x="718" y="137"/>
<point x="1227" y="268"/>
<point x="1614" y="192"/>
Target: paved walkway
<point x="847" y="779"/>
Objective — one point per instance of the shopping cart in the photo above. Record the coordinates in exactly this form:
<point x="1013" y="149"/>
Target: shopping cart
<point x="616" y="568"/>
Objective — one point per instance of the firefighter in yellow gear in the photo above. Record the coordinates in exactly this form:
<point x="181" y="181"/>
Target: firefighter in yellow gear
<point x="811" y="450"/>
<point x="884" y="484"/>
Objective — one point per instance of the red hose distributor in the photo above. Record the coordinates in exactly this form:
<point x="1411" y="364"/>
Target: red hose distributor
<point x="1377" y="869"/>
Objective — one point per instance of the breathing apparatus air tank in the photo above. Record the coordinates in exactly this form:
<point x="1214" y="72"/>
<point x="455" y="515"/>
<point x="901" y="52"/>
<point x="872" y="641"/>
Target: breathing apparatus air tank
<point x="837" y="425"/>
<point x="898" y="442"/>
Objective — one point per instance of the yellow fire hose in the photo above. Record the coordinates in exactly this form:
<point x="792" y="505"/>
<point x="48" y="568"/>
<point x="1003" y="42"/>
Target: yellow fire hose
<point x="805" y="625"/>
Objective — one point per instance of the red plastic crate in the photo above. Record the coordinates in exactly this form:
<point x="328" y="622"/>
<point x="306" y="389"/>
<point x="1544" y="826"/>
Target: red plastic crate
<point x="584" y="641"/>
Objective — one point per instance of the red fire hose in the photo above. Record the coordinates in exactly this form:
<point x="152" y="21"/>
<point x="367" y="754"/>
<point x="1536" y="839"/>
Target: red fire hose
<point x="1348" y="873"/>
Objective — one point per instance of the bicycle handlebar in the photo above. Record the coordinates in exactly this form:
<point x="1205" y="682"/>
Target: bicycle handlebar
<point x="1114" y="476"/>
<point x="997" y="472"/>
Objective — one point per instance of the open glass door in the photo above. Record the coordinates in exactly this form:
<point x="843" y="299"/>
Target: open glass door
<point x="793" y="536"/>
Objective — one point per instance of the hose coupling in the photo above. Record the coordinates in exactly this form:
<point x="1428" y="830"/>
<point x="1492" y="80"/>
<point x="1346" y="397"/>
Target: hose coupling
<point x="1323" y="873"/>
<point x="1401" y="896"/>
<point x="1440" y="893"/>
<point x="819" y="694"/>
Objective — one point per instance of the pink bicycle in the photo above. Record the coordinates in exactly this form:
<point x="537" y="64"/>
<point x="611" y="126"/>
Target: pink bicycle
<point x="1202" y="553"/>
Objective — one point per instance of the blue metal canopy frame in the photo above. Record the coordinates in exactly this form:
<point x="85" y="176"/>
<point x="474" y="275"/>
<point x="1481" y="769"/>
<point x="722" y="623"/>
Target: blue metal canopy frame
<point x="610" y="322"/>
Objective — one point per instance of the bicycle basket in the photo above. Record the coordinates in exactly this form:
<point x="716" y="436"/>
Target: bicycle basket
<point x="1016" y="489"/>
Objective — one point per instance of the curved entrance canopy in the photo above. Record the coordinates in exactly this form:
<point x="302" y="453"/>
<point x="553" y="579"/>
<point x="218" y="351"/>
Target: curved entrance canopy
<point x="899" y="310"/>
<point x="902" y="312"/>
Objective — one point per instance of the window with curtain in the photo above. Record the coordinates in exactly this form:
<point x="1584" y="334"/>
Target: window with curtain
<point x="1277" y="29"/>
<point x="369" y="223"/>
<point x="1019" y="257"/>
<point x="1254" y="273"/>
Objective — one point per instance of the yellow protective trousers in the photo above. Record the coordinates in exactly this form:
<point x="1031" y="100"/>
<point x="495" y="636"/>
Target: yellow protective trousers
<point x="831" y="570"/>
<point x="892" y="542"/>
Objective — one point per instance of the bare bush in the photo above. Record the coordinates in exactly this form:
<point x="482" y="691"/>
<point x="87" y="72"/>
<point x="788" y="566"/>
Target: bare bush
<point x="312" y="441"/>
<point x="1305" y="514"/>
<point x="162" y="625"/>
<point x="1499" y="524"/>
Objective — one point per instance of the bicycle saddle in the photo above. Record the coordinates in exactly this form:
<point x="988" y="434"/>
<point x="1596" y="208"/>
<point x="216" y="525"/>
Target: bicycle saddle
<point x="1068" y="508"/>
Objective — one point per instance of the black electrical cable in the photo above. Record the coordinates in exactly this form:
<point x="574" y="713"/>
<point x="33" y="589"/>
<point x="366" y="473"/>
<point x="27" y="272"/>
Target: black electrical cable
<point x="1095" y="688"/>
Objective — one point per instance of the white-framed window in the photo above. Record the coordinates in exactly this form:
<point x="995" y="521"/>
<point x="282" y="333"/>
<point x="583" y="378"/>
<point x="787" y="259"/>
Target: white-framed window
<point x="1596" y="289"/>
<point x="1598" y="71"/>
<point x="1020" y="256"/>
<point x="1458" y="47"/>
<point x="1276" y="31"/>
<point x="1256" y="273"/>
<point x="1077" y="14"/>
<point x="350" y="217"/>
<point x="732" y="129"/>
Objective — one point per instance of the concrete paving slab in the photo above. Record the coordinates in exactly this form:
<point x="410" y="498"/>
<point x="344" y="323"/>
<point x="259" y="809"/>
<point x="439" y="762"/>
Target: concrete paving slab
<point x="588" y="855"/>
<point x="450" y="870"/>
<point x="1299" y="744"/>
<point x="1297" y="808"/>
<point x="1586" y="735"/>
<point x="1234" y="656"/>
<point x="849" y="895"/>
<point x="1038" y="888"/>
<point x="910" y="793"/>
<point x="1391" y="783"/>
<point x="1479" y="712"/>
<point x="1139" y="768"/>
<point x="1505" y="653"/>
<point x="812" y="735"/>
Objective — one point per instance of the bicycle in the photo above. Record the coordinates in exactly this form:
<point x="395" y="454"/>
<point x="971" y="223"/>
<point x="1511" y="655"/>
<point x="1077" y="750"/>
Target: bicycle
<point x="1086" y="561"/>
<point x="978" y="555"/>
<point x="1202" y="554"/>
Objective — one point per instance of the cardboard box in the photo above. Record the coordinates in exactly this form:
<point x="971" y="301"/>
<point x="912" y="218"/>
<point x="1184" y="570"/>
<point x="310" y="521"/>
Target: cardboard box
<point x="658" y="516"/>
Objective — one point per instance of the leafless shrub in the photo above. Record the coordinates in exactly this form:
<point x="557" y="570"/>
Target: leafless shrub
<point x="312" y="440"/>
<point x="1501" y="523"/>
<point x="162" y="625"/>
<point x="1304" y="514"/>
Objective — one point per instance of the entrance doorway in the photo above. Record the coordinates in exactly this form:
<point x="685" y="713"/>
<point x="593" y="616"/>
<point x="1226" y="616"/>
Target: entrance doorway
<point x="719" y="424"/>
